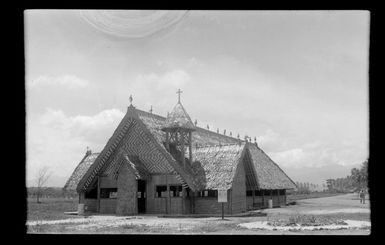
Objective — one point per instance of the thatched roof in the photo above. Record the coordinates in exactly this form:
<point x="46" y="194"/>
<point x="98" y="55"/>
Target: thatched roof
<point x="215" y="157"/>
<point x="200" y="137"/>
<point x="80" y="171"/>
<point x="178" y="119"/>
<point x="214" y="166"/>
<point x="269" y="174"/>
<point x="218" y="151"/>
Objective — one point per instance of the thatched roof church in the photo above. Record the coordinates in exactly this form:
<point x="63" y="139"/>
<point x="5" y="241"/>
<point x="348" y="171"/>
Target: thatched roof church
<point x="155" y="164"/>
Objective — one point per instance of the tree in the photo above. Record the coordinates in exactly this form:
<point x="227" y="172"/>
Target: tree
<point x="360" y="176"/>
<point x="41" y="178"/>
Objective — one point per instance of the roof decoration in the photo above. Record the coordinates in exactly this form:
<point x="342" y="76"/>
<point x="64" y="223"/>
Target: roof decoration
<point x="178" y="118"/>
<point x="130" y="99"/>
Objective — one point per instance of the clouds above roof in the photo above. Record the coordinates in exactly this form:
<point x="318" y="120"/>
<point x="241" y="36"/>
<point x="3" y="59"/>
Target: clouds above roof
<point x="65" y="81"/>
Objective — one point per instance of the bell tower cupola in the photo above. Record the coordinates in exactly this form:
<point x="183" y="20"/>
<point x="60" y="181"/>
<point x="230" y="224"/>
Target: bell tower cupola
<point x="179" y="127"/>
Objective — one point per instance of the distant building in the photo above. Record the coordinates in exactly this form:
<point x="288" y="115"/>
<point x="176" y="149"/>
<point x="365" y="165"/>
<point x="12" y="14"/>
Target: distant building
<point x="153" y="164"/>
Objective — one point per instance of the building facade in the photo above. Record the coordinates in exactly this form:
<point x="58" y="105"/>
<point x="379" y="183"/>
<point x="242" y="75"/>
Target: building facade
<point x="168" y="165"/>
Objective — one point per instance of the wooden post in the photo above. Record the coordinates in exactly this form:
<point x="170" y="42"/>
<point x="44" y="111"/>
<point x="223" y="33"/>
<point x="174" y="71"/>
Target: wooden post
<point x="98" y="196"/>
<point x="263" y="198"/>
<point x="193" y="202"/>
<point x="223" y="211"/>
<point x="190" y="146"/>
<point x="182" y="143"/>
<point x="167" y="195"/>
<point x="253" y="194"/>
<point x="230" y="193"/>
<point x="168" y="141"/>
<point x="183" y="201"/>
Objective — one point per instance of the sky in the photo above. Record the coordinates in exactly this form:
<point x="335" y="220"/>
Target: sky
<point x="296" y="80"/>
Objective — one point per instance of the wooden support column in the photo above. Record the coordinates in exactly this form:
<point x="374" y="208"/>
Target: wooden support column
<point x="183" y="152"/>
<point x="230" y="194"/>
<point x="263" y="198"/>
<point x="98" y="195"/>
<point x="253" y="194"/>
<point x="183" y="200"/>
<point x="193" y="202"/>
<point x="168" y="141"/>
<point x="168" y="195"/>
<point x="190" y="147"/>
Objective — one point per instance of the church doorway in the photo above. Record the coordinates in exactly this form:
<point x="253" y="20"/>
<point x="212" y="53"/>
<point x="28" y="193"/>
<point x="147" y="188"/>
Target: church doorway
<point x="141" y="196"/>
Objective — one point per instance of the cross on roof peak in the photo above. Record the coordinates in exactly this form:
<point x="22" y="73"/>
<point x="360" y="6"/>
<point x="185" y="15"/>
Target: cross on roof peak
<point x="179" y="92"/>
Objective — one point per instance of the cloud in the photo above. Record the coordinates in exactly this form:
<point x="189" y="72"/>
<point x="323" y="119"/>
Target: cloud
<point x="59" y="141"/>
<point x="146" y="87"/>
<point x="93" y="128"/>
<point x="171" y="79"/>
<point x="320" y="154"/>
<point x="66" y="81"/>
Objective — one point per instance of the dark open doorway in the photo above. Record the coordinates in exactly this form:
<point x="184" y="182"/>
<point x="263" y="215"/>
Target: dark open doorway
<point x="141" y="196"/>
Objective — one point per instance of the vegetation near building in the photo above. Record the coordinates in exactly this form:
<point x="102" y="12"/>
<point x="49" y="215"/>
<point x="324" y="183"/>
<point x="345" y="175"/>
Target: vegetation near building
<point x="357" y="180"/>
<point x="155" y="164"/>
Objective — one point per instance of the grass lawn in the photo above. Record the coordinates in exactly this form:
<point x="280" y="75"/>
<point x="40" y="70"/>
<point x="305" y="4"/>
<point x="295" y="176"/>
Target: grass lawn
<point x="54" y="208"/>
<point x="50" y="208"/>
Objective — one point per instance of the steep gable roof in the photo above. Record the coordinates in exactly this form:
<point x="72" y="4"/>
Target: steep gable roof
<point x="269" y="174"/>
<point x="215" y="166"/>
<point x="80" y="171"/>
<point x="215" y="157"/>
<point x="131" y="118"/>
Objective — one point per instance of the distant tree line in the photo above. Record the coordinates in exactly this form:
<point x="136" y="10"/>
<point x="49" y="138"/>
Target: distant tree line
<point x="357" y="180"/>
<point x="50" y="192"/>
<point x="306" y="187"/>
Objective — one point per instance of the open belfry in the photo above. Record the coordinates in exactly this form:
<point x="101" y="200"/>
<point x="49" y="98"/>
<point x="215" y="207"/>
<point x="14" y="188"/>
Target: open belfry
<point x="169" y="165"/>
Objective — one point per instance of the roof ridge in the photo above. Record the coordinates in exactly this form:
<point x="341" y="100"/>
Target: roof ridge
<point x="197" y="127"/>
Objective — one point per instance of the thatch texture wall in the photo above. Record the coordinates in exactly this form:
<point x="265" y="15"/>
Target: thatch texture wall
<point x="127" y="189"/>
<point x="238" y="191"/>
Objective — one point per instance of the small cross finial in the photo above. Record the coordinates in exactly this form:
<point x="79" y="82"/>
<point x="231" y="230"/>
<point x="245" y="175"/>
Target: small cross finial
<point x="130" y="99"/>
<point x="179" y="92"/>
<point x="231" y="134"/>
<point x="151" y="110"/>
<point x="196" y="122"/>
<point x="255" y="139"/>
<point x="224" y="132"/>
<point x="208" y="127"/>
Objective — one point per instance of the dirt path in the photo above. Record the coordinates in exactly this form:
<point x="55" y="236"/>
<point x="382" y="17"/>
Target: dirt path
<point x="348" y="203"/>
